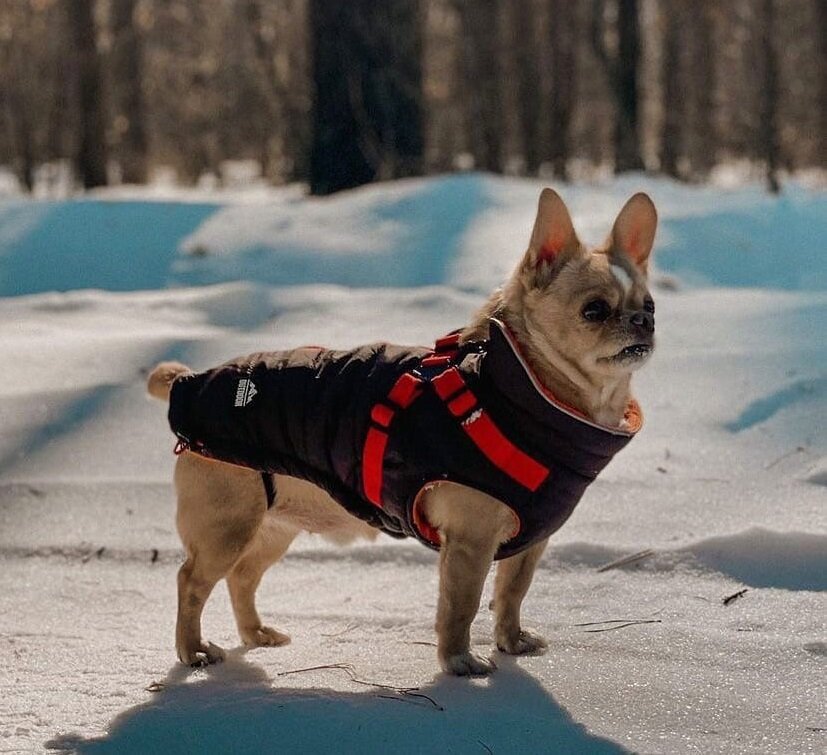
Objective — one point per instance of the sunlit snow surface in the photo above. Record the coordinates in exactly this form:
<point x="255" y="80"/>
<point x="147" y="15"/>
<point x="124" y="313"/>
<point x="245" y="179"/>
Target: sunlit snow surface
<point x="727" y="483"/>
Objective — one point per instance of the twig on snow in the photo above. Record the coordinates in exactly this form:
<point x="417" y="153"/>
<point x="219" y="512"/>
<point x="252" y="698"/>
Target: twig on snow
<point x="732" y="598"/>
<point x="345" y="666"/>
<point x="632" y="623"/>
<point x="627" y="560"/>
<point x="796" y="450"/>
<point x="619" y="621"/>
<point x="351" y="672"/>
<point x="98" y="553"/>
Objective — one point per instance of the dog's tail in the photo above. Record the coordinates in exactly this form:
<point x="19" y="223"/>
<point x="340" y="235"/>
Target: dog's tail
<point x="163" y="376"/>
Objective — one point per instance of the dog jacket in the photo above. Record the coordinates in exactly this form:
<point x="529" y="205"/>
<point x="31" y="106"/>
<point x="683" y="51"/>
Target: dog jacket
<point x="375" y="425"/>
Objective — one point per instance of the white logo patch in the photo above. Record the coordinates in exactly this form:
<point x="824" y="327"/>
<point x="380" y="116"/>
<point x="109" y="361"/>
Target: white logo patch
<point x="245" y="392"/>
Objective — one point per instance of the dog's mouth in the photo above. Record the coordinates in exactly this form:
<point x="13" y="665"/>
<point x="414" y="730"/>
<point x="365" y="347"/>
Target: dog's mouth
<point x="637" y="352"/>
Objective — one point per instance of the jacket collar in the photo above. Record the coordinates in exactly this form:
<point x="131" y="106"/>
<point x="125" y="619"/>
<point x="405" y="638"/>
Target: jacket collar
<point x="505" y="366"/>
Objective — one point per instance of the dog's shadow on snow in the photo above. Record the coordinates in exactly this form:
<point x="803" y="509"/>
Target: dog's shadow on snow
<point x="235" y="707"/>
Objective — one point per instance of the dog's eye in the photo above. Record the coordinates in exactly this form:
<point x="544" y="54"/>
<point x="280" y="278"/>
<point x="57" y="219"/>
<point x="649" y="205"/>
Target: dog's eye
<point x="597" y="310"/>
<point x="649" y="305"/>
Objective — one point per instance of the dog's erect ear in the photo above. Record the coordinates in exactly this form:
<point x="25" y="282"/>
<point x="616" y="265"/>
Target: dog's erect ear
<point x="553" y="232"/>
<point x="634" y="230"/>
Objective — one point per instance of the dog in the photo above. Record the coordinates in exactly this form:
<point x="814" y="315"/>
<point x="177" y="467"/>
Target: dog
<point x="570" y="326"/>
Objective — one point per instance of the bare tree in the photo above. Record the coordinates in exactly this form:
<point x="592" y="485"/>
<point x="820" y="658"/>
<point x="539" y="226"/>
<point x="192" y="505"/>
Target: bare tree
<point x="127" y="71"/>
<point x="673" y="95"/>
<point x="821" y="148"/>
<point x="769" y="115"/>
<point x="622" y="72"/>
<point x="284" y="144"/>
<point x="90" y="157"/>
<point x="480" y="28"/>
<point x="564" y="32"/>
<point x="17" y="114"/>
<point x="33" y="77"/>
<point x="207" y="81"/>
<point x="367" y="79"/>
<point x="702" y="152"/>
<point x="523" y="24"/>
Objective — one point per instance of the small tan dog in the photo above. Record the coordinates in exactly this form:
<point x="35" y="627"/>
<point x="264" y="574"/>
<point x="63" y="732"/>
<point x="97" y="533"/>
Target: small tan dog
<point x="583" y="321"/>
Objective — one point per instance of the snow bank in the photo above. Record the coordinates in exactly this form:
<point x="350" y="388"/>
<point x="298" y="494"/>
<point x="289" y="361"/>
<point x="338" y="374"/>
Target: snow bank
<point x="724" y="488"/>
<point x="464" y="230"/>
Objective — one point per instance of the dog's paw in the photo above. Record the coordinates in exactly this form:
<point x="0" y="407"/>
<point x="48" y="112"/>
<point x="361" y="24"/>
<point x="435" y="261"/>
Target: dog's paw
<point x="264" y="637"/>
<point x="524" y="643"/>
<point x="468" y="664"/>
<point x="202" y="655"/>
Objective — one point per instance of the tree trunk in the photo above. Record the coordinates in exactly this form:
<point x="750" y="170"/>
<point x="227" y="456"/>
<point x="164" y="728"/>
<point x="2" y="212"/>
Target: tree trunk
<point x="127" y="75"/>
<point x="627" y="132"/>
<point x="769" y="115"/>
<point x="821" y="18"/>
<point x="523" y="24"/>
<point x="90" y="157"/>
<point x="622" y="72"/>
<point x="479" y="22"/>
<point x="367" y="81"/>
<point x="674" y="115"/>
<point x="564" y="42"/>
<point x="14" y="109"/>
<point x="703" y="154"/>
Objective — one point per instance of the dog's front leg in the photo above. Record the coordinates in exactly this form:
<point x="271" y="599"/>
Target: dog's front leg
<point x="510" y="587"/>
<point x="472" y="525"/>
<point x="463" y="566"/>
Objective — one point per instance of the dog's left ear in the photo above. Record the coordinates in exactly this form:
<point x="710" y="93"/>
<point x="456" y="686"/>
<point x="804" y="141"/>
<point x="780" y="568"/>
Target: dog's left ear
<point x="634" y="230"/>
<point x="553" y="235"/>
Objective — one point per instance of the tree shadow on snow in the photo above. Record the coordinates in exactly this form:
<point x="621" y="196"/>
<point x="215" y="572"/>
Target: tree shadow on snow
<point x="237" y="708"/>
<point x="64" y="414"/>
<point x="429" y="227"/>
<point x="117" y="246"/>
<point x="810" y="391"/>
<point x="776" y="246"/>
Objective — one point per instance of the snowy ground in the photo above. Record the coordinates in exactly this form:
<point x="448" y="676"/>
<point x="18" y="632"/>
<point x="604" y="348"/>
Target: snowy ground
<point x="726" y="484"/>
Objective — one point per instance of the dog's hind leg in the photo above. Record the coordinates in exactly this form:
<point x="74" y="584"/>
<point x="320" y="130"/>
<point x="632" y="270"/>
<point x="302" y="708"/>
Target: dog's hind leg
<point x="510" y="587"/>
<point x="220" y="510"/>
<point x="269" y="544"/>
<point x="194" y="587"/>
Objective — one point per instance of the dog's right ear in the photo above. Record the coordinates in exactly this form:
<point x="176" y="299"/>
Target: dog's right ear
<point x="553" y="236"/>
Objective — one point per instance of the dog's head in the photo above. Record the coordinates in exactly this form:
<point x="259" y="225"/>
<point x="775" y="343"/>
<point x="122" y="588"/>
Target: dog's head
<point x="587" y="312"/>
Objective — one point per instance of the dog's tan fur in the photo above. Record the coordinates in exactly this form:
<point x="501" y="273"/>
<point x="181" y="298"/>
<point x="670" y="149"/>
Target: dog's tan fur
<point x="228" y="532"/>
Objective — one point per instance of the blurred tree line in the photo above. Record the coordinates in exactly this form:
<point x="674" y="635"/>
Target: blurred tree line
<point x="337" y="93"/>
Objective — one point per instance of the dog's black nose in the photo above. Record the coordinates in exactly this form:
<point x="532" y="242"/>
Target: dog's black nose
<point x="643" y="320"/>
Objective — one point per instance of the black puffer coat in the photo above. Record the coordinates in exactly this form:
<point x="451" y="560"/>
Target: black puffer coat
<point x="374" y="425"/>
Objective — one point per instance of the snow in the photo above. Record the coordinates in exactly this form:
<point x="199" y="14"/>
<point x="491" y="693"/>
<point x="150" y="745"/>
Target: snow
<point x="725" y="484"/>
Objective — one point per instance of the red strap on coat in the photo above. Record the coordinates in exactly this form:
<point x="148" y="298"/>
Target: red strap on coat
<point x="499" y="450"/>
<point x="405" y="391"/>
<point x="447" y="344"/>
<point x="451" y="387"/>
